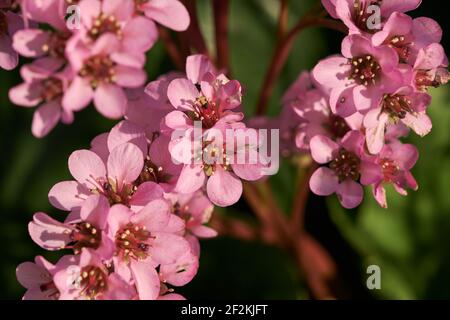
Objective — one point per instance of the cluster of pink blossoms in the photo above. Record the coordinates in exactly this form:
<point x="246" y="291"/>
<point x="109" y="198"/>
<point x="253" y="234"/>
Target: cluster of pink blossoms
<point x="350" y="112"/>
<point x="135" y="213"/>
<point x="92" y="55"/>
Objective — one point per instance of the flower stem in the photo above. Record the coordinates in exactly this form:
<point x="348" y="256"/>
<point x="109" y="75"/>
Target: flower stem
<point x="221" y="9"/>
<point x="194" y="32"/>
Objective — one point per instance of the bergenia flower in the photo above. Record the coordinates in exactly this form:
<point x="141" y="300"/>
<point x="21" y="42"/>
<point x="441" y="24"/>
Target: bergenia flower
<point x="10" y="23"/>
<point x="204" y="96"/>
<point x="395" y="162"/>
<point x="430" y="69"/>
<point x="142" y="243"/>
<point x="37" y="278"/>
<point x="44" y="88"/>
<point x="87" y="277"/>
<point x="113" y="180"/>
<point x="84" y="230"/>
<point x="360" y="77"/>
<point x="34" y="42"/>
<point x="408" y="36"/>
<point x="345" y="168"/>
<point x="215" y="163"/>
<point x="196" y="210"/>
<point x="360" y="16"/>
<point x="404" y="105"/>
<point x="101" y="76"/>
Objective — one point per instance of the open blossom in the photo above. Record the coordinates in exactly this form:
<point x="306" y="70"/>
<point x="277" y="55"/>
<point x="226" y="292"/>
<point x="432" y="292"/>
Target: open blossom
<point x="346" y="168"/>
<point x="404" y="105"/>
<point x="113" y="180"/>
<point x="87" y="277"/>
<point x="43" y="87"/>
<point x="216" y="163"/>
<point x="101" y="77"/>
<point x="430" y="68"/>
<point x="86" y="229"/>
<point x="408" y="36"/>
<point x="10" y="23"/>
<point x="37" y="278"/>
<point x="34" y="42"/>
<point x="360" y="15"/>
<point x="359" y="79"/>
<point x="144" y="240"/>
<point x="204" y="96"/>
<point x="395" y="162"/>
<point x="196" y="210"/>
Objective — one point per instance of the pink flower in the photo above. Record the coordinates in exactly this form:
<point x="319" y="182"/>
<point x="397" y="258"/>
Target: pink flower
<point x="115" y="180"/>
<point x="87" y="277"/>
<point x="404" y="105"/>
<point x="102" y="74"/>
<point x="44" y="87"/>
<point x="346" y="168"/>
<point x="430" y="68"/>
<point x="196" y="210"/>
<point x="213" y="162"/>
<point x="407" y="36"/>
<point x="309" y="105"/>
<point x="359" y="79"/>
<point x="169" y="13"/>
<point x="36" y="43"/>
<point x="143" y="241"/>
<point x="395" y="162"/>
<point x="37" y="278"/>
<point x="84" y="229"/>
<point x="10" y="23"/>
<point x="204" y="96"/>
<point x="360" y="16"/>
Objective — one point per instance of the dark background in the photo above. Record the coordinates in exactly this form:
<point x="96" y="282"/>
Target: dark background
<point x="410" y="241"/>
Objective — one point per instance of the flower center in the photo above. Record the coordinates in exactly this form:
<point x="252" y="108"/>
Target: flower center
<point x="365" y="70"/>
<point x="204" y="111"/>
<point x="211" y="156"/>
<point x="152" y="172"/>
<point x="346" y="165"/>
<point x="49" y="290"/>
<point x="85" y="235"/>
<point x="132" y="242"/>
<point x="55" y="47"/>
<point x="361" y="14"/>
<point x="105" y="24"/>
<point x="98" y="69"/>
<point x="426" y="79"/>
<point x="397" y="106"/>
<point x="93" y="281"/>
<point x="390" y="170"/>
<point x="52" y="88"/>
<point x="338" y="126"/>
<point x="402" y="47"/>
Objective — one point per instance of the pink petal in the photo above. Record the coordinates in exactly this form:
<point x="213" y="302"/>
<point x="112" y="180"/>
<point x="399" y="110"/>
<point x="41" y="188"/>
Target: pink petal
<point x="110" y="101"/>
<point x="182" y="271"/>
<point x="332" y="72"/>
<point x="8" y="57"/>
<point x="323" y="182"/>
<point x="155" y="215"/>
<point x="146" y="279"/>
<point x="322" y="149"/>
<point x="95" y="210"/>
<point x="68" y="195"/>
<point x="169" y="13"/>
<point x="182" y="94"/>
<point x="168" y="248"/>
<point x="129" y="77"/>
<point x="29" y="42"/>
<point x="191" y="179"/>
<point x="136" y="40"/>
<point x="145" y="193"/>
<point x="197" y="66"/>
<point x="125" y="163"/>
<point x="379" y="193"/>
<point x="78" y="95"/>
<point x="86" y="167"/>
<point x="46" y="118"/>
<point x="49" y="233"/>
<point x="126" y="131"/>
<point x="350" y="194"/>
<point x="370" y="173"/>
<point x="26" y="94"/>
<point x="223" y="188"/>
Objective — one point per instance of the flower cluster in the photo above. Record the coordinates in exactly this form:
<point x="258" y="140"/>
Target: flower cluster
<point x="135" y="213"/>
<point x="91" y="53"/>
<point x="353" y="108"/>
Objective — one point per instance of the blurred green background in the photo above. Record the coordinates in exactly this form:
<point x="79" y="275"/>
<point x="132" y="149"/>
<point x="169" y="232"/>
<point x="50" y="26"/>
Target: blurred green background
<point x="410" y="241"/>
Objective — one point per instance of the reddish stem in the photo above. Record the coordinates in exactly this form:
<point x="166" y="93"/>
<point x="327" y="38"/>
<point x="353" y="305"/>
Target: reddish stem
<point x="221" y="9"/>
<point x="283" y="18"/>
<point x="282" y="53"/>
<point x="194" y="32"/>
<point x="172" y="48"/>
